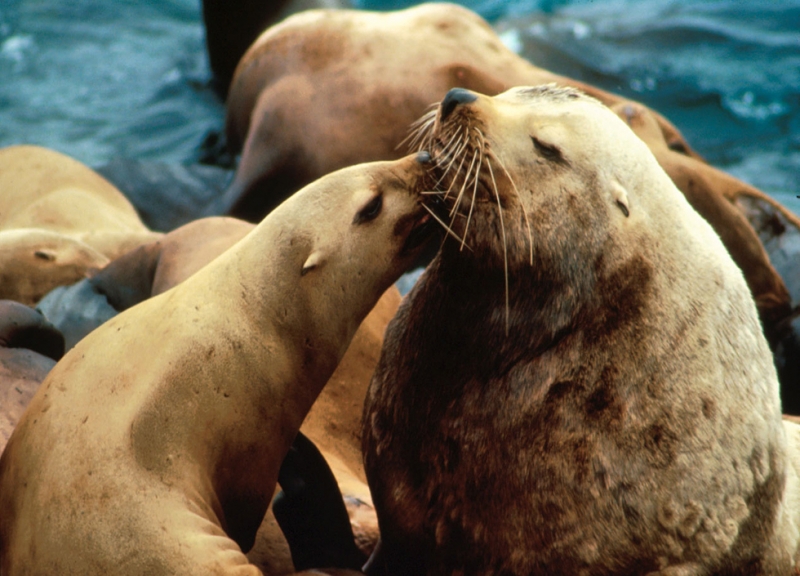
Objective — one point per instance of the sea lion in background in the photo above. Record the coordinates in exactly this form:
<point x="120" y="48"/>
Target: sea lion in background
<point x="330" y="88"/>
<point x="33" y="262"/>
<point x="232" y="26"/>
<point x="58" y="219"/>
<point x="579" y="383"/>
<point x="29" y="348"/>
<point x="132" y="435"/>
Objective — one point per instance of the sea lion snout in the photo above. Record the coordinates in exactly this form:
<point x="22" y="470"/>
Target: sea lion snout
<point x="453" y="98"/>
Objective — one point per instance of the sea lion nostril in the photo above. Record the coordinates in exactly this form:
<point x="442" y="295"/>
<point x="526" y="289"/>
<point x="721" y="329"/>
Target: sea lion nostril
<point x="455" y="97"/>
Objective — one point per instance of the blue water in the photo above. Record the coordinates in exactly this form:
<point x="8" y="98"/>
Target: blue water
<point x="98" y="79"/>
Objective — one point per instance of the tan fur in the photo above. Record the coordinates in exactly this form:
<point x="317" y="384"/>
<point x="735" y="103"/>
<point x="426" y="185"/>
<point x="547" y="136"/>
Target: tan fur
<point x="34" y="261"/>
<point x="154" y="445"/>
<point x="583" y="387"/>
<point x="81" y="220"/>
<point x="334" y="422"/>
<point x="329" y="88"/>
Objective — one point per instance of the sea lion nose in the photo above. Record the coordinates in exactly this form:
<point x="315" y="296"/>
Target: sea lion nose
<point x="455" y="97"/>
<point x="424" y="157"/>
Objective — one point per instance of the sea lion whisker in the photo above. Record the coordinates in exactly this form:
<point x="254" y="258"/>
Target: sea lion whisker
<point x="453" y="181"/>
<point x="457" y="152"/>
<point x="451" y="152"/>
<point x="465" y="184"/>
<point x="419" y="130"/>
<point x="505" y="244"/>
<point x="444" y="225"/>
<point x="519" y="197"/>
<point x="472" y="204"/>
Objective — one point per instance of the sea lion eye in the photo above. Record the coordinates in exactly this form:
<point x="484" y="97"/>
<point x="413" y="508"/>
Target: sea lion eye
<point x="548" y="151"/>
<point x="370" y="211"/>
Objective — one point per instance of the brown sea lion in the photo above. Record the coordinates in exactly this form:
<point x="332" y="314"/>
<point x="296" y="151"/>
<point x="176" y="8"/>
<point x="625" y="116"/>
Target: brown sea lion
<point x="29" y="348"/>
<point x="712" y="192"/>
<point x="58" y="219"/>
<point x="579" y="383"/>
<point x="330" y="88"/>
<point x="154" y="445"/>
<point x="232" y="26"/>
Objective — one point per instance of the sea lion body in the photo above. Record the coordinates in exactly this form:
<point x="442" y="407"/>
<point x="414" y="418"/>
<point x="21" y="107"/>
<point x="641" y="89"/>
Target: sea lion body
<point x="58" y="220"/>
<point x="582" y="386"/>
<point x="153" y="447"/>
<point x="330" y="88"/>
<point x="334" y="421"/>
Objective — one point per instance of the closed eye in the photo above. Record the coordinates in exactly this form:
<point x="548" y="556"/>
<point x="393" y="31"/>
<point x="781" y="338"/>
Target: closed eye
<point x="370" y="210"/>
<point x="548" y="151"/>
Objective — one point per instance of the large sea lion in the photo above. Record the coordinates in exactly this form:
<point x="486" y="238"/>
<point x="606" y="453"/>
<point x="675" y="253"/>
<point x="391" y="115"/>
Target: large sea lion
<point x="58" y="220"/>
<point x="153" y="447"/>
<point x="330" y="88"/>
<point x="579" y="383"/>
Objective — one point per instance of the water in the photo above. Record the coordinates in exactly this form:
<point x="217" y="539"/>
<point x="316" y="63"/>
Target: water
<point x="99" y="80"/>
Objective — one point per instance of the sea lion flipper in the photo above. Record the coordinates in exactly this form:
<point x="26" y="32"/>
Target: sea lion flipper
<point x="311" y="512"/>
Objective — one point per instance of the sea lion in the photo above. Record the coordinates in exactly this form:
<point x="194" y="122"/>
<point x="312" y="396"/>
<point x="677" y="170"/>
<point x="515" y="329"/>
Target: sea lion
<point x="329" y="88"/>
<point x="579" y="383"/>
<point x="58" y="219"/>
<point x="153" y="447"/>
<point x="232" y="26"/>
<point x="35" y="261"/>
<point x="29" y="348"/>
<point x="334" y="422"/>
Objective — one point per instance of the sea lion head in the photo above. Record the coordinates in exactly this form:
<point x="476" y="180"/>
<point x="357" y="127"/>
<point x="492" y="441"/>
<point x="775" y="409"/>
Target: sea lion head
<point x="34" y="261"/>
<point x="539" y="181"/>
<point x="349" y="235"/>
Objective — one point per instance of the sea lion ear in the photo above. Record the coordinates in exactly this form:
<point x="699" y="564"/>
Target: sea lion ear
<point x="620" y="196"/>
<point x="314" y="260"/>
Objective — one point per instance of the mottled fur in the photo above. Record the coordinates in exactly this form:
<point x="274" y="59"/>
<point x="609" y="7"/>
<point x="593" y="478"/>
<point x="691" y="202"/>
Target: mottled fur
<point x="580" y="385"/>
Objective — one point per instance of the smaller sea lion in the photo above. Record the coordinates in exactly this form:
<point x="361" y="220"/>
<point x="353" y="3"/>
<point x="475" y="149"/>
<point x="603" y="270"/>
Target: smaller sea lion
<point x="34" y="261"/>
<point x="154" y="445"/>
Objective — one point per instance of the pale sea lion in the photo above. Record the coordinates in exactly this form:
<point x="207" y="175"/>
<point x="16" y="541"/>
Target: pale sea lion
<point x="34" y="261"/>
<point x="334" y="422"/>
<point x="579" y="383"/>
<point x="153" y="447"/>
<point x="330" y="88"/>
<point x="58" y="219"/>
